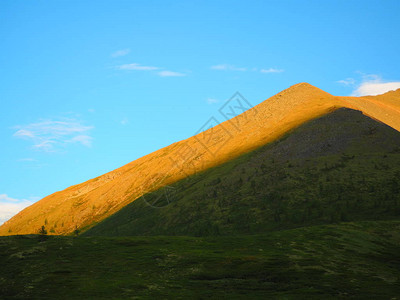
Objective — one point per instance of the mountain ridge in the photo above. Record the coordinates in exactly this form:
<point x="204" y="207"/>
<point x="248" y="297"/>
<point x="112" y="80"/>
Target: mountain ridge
<point x="82" y="205"/>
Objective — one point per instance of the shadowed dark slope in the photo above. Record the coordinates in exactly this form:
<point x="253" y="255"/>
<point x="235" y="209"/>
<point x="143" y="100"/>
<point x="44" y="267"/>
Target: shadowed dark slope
<point x="341" y="167"/>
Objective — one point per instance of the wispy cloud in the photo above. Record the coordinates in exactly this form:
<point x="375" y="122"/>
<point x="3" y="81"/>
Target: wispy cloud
<point x="226" y="67"/>
<point x="5" y="198"/>
<point x="272" y="70"/>
<point x="24" y="133"/>
<point x="160" y="72"/>
<point x="122" y="52"/>
<point x="347" y="82"/>
<point x="371" y="85"/>
<point x="10" y="206"/>
<point x="136" y="67"/>
<point x="85" y="140"/>
<point x="170" y="74"/>
<point x="27" y="159"/>
<point x="48" y="135"/>
<point x="212" y="100"/>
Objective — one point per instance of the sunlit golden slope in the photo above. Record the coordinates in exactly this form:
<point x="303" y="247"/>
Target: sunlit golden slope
<point x="82" y="205"/>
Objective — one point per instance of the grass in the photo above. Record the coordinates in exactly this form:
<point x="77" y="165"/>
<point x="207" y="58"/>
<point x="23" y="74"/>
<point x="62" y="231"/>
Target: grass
<point x="348" y="260"/>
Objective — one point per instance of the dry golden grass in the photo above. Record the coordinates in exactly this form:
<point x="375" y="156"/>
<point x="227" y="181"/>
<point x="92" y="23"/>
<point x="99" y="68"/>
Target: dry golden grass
<point x="81" y="206"/>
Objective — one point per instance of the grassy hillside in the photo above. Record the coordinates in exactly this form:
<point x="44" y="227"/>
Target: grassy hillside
<point x="341" y="167"/>
<point x="348" y="260"/>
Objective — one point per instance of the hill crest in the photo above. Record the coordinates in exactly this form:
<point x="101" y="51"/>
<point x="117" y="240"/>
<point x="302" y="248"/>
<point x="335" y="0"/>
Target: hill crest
<point x="82" y="205"/>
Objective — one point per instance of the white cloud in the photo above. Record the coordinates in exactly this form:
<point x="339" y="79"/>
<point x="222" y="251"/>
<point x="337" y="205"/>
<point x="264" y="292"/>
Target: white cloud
<point x="27" y="159"/>
<point x="374" y="85"/>
<point x="226" y="67"/>
<point x="347" y="82"/>
<point x="212" y="100"/>
<point x="219" y="67"/>
<point x="5" y="198"/>
<point x="170" y="74"/>
<point x="46" y="146"/>
<point x="24" y="133"/>
<point x="48" y="135"/>
<point x="11" y="206"/>
<point x="271" y="70"/>
<point x="122" y="52"/>
<point x="83" y="139"/>
<point x="136" y="67"/>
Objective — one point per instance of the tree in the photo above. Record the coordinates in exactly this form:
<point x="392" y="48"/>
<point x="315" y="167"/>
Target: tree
<point x="76" y="231"/>
<point x="42" y="230"/>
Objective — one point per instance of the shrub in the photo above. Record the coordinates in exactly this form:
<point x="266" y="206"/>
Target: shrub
<point x="42" y="230"/>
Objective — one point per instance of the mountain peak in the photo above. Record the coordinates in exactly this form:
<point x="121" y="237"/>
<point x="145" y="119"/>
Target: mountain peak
<point x="305" y="87"/>
<point x="302" y="84"/>
<point x="82" y="205"/>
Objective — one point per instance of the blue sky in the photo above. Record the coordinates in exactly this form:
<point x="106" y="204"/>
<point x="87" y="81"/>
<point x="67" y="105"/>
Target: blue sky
<point x="88" y="86"/>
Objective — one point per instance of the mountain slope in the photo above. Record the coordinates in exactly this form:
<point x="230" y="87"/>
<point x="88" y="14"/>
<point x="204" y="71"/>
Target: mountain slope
<point x="343" y="166"/>
<point x="85" y="204"/>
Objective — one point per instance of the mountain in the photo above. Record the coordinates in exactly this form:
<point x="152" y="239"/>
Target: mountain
<point x="343" y="166"/>
<point x="84" y="205"/>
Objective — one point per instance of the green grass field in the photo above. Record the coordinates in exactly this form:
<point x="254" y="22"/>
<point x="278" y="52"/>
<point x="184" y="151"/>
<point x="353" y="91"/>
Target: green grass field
<point x="348" y="260"/>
